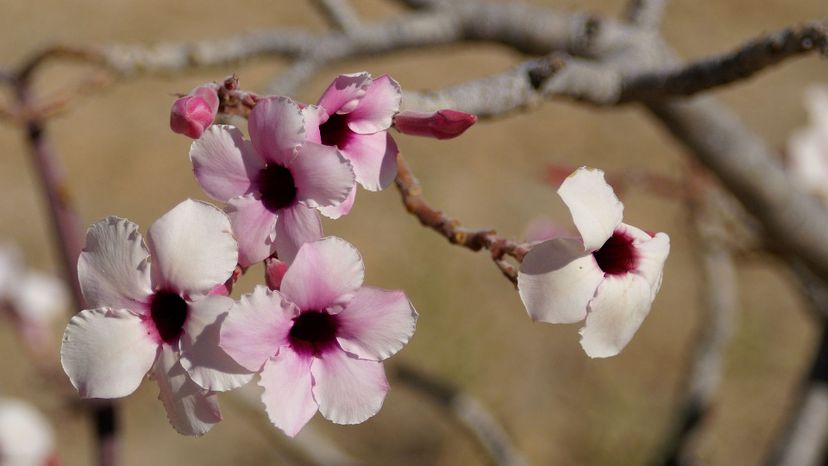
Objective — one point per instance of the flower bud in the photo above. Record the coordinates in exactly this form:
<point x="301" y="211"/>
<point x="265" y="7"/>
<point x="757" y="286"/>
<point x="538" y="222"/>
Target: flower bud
<point x="442" y="124"/>
<point x="192" y="114"/>
<point x="274" y="272"/>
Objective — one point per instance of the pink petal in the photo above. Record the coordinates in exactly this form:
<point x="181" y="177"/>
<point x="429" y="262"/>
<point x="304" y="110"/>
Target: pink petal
<point x="334" y="212"/>
<point x="191" y="410"/>
<point x="193" y="248"/>
<point x="324" y="273"/>
<point x="255" y="228"/>
<point x="374" y="158"/>
<point x="256" y="327"/>
<point x="618" y="309"/>
<point x="208" y="365"/>
<point x="348" y="390"/>
<point x="224" y="164"/>
<point x="556" y="281"/>
<point x="345" y="92"/>
<point x="322" y="175"/>
<point x="377" y="108"/>
<point x="274" y="272"/>
<point x="106" y="353"/>
<point x="595" y="209"/>
<point x="113" y="268"/>
<point x="288" y="399"/>
<point x="276" y="127"/>
<point x="376" y="323"/>
<point x="296" y="226"/>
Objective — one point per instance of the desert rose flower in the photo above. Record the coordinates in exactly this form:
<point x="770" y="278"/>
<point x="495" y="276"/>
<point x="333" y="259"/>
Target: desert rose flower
<point x="26" y="438"/>
<point x="156" y="317"/>
<point x="356" y="112"/>
<point x="610" y="275"/>
<point x="808" y="147"/>
<point x="192" y="114"/>
<point x="318" y="343"/>
<point x="275" y="182"/>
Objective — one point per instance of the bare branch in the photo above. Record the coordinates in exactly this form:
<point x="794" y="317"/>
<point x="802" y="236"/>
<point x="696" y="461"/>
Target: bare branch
<point x="646" y="14"/>
<point x="466" y="411"/>
<point x="720" y="70"/>
<point x="803" y="441"/>
<point x="291" y="80"/>
<point x="719" y="281"/>
<point x="412" y="198"/>
<point x="340" y="14"/>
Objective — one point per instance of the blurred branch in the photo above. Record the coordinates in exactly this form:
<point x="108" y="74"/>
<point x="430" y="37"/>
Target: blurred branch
<point x="737" y="65"/>
<point x="412" y="197"/>
<point x="719" y="285"/>
<point x="803" y="441"/>
<point x="468" y="412"/>
<point x="340" y="14"/>
<point x="646" y="14"/>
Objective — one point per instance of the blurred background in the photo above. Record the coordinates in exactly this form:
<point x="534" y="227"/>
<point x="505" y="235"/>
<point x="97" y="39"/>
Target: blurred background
<point x="559" y="406"/>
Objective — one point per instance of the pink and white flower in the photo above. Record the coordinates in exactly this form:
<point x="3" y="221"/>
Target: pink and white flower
<point x="26" y="438"/>
<point x="275" y="183"/>
<point x="610" y="275"/>
<point x="808" y="147"/>
<point x="318" y="343"/>
<point x="157" y="317"/>
<point x="355" y="114"/>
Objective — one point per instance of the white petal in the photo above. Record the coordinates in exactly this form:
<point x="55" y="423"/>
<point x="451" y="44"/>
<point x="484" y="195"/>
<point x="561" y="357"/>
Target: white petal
<point x="193" y="248"/>
<point x="106" y="353"/>
<point x="556" y="281"/>
<point x="288" y="399"/>
<point x="40" y="297"/>
<point x="651" y="253"/>
<point x="113" y="268"/>
<point x="618" y="309"/>
<point x="595" y="209"/>
<point x="322" y="175"/>
<point x="376" y="323"/>
<point x="208" y="365"/>
<point x="348" y="390"/>
<point x="25" y="435"/>
<point x="324" y="273"/>
<point x="191" y="410"/>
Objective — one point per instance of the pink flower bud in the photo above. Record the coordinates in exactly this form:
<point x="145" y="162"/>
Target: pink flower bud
<point x="442" y="124"/>
<point x="274" y="272"/>
<point x="192" y="114"/>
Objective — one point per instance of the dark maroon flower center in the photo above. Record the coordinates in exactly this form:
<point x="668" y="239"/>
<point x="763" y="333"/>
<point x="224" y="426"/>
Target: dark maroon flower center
<point x="335" y="131"/>
<point x="617" y="256"/>
<point x="313" y="332"/>
<point x="169" y="312"/>
<point x="277" y="187"/>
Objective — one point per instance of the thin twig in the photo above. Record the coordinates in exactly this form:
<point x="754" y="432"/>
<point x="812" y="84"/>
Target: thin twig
<point x="412" y="197"/>
<point x="468" y="412"/>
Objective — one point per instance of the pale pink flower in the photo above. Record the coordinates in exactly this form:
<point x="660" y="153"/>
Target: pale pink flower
<point x="318" y="343"/>
<point x="26" y="438"/>
<point x="275" y="182"/>
<point x="808" y="147"/>
<point x="355" y="114"/>
<point x="156" y="317"/>
<point x="442" y="124"/>
<point x="192" y="114"/>
<point x="610" y="275"/>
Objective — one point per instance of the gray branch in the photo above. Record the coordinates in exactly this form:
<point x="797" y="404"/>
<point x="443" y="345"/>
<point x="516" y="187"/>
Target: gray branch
<point x="340" y="14"/>
<point x="646" y="14"/>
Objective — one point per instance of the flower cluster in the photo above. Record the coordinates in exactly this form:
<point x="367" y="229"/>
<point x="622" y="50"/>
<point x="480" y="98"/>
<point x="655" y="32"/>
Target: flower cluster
<point x="315" y="336"/>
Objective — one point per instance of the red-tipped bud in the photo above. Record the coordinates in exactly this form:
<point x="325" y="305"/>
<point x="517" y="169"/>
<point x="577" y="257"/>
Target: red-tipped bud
<point x="192" y="114"/>
<point x="442" y="124"/>
<point x="274" y="272"/>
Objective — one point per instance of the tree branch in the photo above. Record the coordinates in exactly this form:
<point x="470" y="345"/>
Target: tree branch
<point x="340" y="14"/>
<point x="646" y="14"/>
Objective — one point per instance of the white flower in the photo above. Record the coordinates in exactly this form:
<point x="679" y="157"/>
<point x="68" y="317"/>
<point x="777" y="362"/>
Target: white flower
<point x="610" y="275"/>
<point x="26" y="439"/>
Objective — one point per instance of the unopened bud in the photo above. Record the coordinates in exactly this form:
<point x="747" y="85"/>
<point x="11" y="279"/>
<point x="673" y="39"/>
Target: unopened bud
<point x="192" y="114"/>
<point x="274" y="272"/>
<point x="442" y="124"/>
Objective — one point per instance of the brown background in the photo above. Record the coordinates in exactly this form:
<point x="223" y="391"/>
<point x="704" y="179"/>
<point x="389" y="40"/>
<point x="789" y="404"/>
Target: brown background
<point x="559" y="406"/>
